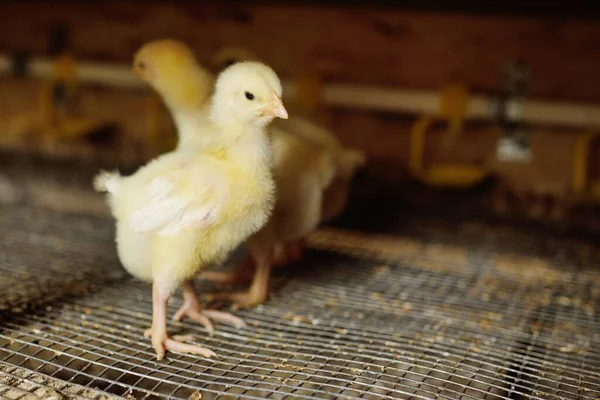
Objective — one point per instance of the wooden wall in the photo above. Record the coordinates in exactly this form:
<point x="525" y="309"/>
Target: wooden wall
<point x="358" y="45"/>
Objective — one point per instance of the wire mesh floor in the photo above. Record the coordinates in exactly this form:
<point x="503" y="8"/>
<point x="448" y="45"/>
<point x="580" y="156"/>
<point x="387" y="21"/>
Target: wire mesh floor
<point x="475" y="313"/>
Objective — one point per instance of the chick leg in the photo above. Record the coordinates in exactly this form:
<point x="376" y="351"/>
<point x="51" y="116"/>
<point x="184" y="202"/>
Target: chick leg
<point x="242" y="273"/>
<point x="280" y="255"/>
<point x="257" y="293"/>
<point x="192" y="309"/>
<point x="295" y="250"/>
<point x="160" y="340"/>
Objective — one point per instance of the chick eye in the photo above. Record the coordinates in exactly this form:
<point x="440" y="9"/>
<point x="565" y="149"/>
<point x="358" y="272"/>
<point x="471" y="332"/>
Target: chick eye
<point x="141" y="65"/>
<point x="249" y="96"/>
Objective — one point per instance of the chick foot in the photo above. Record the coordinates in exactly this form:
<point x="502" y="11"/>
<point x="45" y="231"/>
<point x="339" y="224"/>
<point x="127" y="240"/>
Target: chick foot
<point x="192" y="309"/>
<point x="160" y="340"/>
<point x="178" y="343"/>
<point x="239" y="300"/>
<point x="257" y="293"/>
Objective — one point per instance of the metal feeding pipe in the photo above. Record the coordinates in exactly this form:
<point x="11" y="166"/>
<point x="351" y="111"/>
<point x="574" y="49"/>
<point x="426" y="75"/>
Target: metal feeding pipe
<point x="376" y="98"/>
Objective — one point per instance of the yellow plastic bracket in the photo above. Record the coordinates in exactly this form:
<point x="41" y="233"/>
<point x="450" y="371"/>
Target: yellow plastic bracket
<point x="452" y="108"/>
<point x="65" y="71"/>
<point x="417" y="144"/>
<point x="581" y="161"/>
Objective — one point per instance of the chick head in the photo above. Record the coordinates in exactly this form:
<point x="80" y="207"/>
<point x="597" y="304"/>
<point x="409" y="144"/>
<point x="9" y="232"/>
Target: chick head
<point x="249" y="92"/>
<point x="171" y="68"/>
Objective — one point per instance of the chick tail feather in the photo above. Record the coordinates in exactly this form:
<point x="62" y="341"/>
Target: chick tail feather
<point x="107" y="181"/>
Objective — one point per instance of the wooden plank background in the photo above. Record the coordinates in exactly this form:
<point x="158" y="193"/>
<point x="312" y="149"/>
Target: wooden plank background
<point x="413" y="49"/>
<point x="362" y="45"/>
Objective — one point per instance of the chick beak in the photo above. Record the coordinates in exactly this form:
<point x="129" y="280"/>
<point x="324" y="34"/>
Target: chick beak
<point x="276" y="109"/>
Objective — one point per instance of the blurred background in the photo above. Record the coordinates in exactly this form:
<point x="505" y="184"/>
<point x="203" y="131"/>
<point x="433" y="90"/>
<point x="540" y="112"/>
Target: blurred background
<point x="479" y="122"/>
<point x="511" y="88"/>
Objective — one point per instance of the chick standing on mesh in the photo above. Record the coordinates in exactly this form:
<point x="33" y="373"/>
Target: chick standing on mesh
<point x="187" y="209"/>
<point x="346" y="161"/>
<point x="302" y="170"/>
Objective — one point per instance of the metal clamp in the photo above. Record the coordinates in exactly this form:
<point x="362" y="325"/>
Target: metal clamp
<point x="514" y="142"/>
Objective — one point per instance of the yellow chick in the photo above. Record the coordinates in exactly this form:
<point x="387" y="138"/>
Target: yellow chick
<point x="340" y="169"/>
<point x="187" y="209"/>
<point x="171" y="68"/>
<point x="302" y="169"/>
<point x="347" y="160"/>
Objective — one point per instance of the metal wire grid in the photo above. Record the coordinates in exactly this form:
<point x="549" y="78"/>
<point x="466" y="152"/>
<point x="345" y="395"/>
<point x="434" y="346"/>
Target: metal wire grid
<point x="415" y="327"/>
<point x="442" y="352"/>
<point x="45" y="255"/>
<point x="20" y="384"/>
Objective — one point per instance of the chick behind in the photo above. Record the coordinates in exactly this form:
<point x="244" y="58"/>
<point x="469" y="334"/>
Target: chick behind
<point x="172" y="70"/>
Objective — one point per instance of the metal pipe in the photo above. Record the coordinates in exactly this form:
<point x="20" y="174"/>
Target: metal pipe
<point x="107" y="74"/>
<point x="351" y="96"/>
